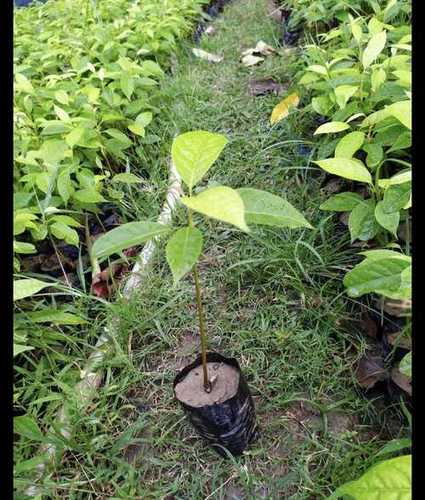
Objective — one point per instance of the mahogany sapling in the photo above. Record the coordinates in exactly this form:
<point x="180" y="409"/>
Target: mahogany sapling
<point x="193" y="154"/>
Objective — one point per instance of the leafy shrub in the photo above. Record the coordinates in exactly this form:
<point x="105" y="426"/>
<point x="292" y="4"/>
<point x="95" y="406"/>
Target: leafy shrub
<point x="86" y="87"/>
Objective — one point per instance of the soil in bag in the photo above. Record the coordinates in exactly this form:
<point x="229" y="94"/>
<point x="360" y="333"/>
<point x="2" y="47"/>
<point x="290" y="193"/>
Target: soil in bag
<point x="224" y="417"/>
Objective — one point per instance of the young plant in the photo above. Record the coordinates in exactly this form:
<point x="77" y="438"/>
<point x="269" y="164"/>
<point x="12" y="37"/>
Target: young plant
<point x="193" y="153"/>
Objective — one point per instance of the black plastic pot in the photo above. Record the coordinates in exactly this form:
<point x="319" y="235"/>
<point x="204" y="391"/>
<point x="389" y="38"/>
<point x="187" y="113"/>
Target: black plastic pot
<point x="231" y="424"/>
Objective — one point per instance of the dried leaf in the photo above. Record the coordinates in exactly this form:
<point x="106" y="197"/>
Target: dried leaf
<point x="368" y="326"/>
<point x="401" y="380"/>
<point x="250" y="60"/>
<point x="394" y="307"/>
<point x="398" y="339"/>
<point x="281" y="111"/>
<point x="207" y="55"/>
<point x="370" y="370"/>
<point x="262" y="87"/>
<point x="333" y="186"/>
<point x="261" y="48"/>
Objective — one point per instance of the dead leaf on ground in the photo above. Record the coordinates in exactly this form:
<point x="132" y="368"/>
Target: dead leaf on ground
<point x="250" y="60"/>
<point x="333" y="186"/>
<point x="207" y="56"/>
<point x="401" y="380"/>
<point x="370" y="370"/>
<point x="281" y="111"/>
<point x="261" y="48"/>
<point x="368" y="326"/>
<point x="394" y="307"/>
<point x="266" y="86"/>
<point x="398" y="339"/>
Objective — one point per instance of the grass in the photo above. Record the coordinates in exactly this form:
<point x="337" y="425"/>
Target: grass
<point x="274" y="300"/>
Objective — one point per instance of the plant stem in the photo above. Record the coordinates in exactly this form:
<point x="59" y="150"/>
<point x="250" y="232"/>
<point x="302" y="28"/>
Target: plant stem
<point x="201" y="319"/>
<point x="207" y="383"/>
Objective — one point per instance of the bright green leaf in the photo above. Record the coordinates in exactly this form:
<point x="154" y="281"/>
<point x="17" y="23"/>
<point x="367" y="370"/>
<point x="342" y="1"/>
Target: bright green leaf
<point x="375" y="275"/>
<point x="349" y="144"/>
<point x="331" y="128"/>
<point x="221" y="203"/>
<point x="268" y="209"/>
<point x="349" y="168"/>
<point x="183" y="250"/>
<point x="126" y="236"/>
<point x="342" y="202"/>
<point x="362" y="223"/>
<point x="387" y="480"/>
<point x="193" y="153"/>
<point x="26" y="287"/>
<point x="388" y="220"/>
<point x="374" y="47"/>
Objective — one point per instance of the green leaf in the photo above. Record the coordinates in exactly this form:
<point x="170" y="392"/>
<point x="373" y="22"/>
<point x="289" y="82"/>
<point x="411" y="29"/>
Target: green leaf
<point x="23" y="84"/>
<point x="349" y="144"/>
<point x="52" y="316"/>
<point x="193" y="153"/>
<point x="183" y="250"/>
<point x="88" y="195"/>
<point x="377" y="78"/>
<point x="65" y="219"/>
<point x="268" y="209"/>
<point x="342" y="202"/>
<point x="344" y="93"/>
<point x="126" y="236"/>
<point x="400" y="178"/>
<point x="396" y="197"/>
<point x="27" y="287"/>
<point x="61" y="113"/>
<point x="54" y="127"/>
<point x="375" y="155"/>
<point x="18" y="348"/>
<point x="349" y="168"/>
<point x="383" y="253"/>
<point x="362" y="223"/>
<point x="53" y="151"/>
<point x="144" y="119"/>
<point x="26" y="426"/>
<point x="152" y="68"/>
<point x="119" y="136"/>
<point x="21" y="247"/>
<point x="62" y="97"/>
<point x="63" y="232"/>
<point x="401" y="110"/>
<point x="127" y="85"/>
<point x="375" y="275"/>
<point x="75" y="136"/>
<point x="321" y="104"/>
<point x="388" y="220"/>
<point x="387" y="480"/>
<point x="221" y="203"/>
<point x="127" y="178"/>
<point x="394" y="446"/>
<point x="64" y="184"/>
<point x="331" y="128"/>
<point x="374" y="47"/>
<point x="137" y="129"/>
<point x="406" y="365"/>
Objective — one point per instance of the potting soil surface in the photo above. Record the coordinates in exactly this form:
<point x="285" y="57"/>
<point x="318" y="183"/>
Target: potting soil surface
<point x="191" y="389"/>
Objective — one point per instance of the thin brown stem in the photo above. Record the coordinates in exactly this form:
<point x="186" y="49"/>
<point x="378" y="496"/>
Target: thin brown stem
<point x="207" y="383"/>
<point x="201" y="319"/>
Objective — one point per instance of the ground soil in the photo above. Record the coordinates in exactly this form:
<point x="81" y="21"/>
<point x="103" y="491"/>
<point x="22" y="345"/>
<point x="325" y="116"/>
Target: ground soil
<point x="191" y="390"/>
